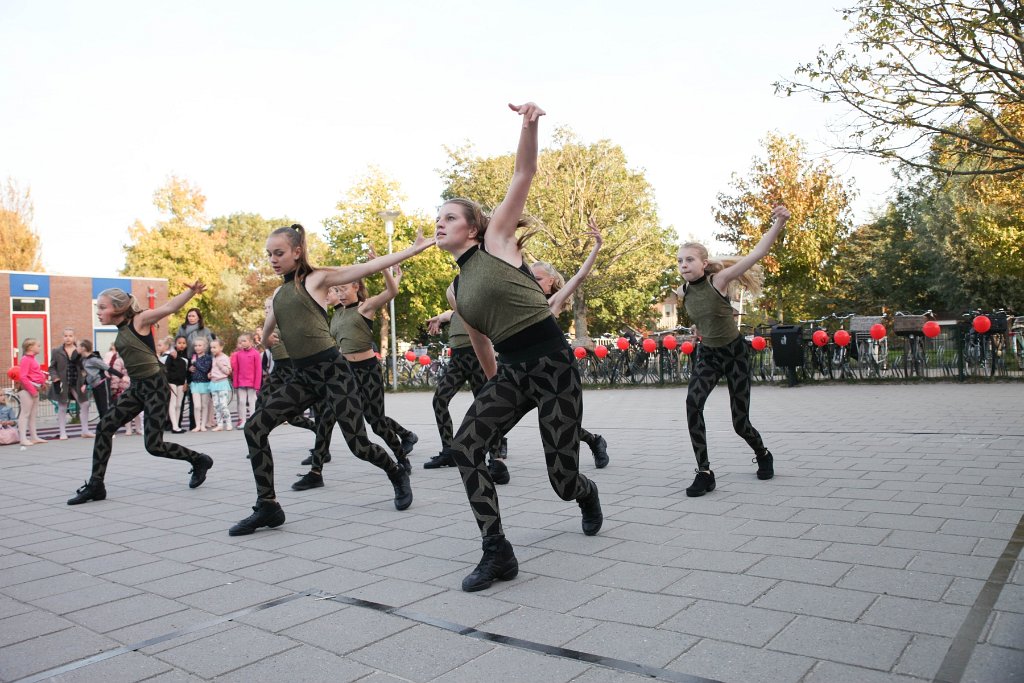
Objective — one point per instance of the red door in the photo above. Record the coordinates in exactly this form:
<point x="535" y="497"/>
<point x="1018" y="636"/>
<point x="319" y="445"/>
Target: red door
<point x="35" y="325"/>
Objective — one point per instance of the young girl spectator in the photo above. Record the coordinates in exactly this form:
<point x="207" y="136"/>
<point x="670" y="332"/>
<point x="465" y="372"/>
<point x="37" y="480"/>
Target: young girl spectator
<point x="135" y="346"/>
<point x="199" y="383"/>
<point x="120" y="384"/>
<point x="97" y="374"/>
<point x="32" y="380"/>
<point x="176" y="367"/>
<point x="723" y="349"/>
<point x="247" y="377"/>
<point x="193" y="328"/>
<point x="220" y="387"/>
<point x="67" y="383"/>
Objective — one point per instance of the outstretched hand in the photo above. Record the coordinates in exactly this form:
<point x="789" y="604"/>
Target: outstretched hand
<point x="529" y="111"/>
<point x="197" y="287"/>
<point x="780" y="214"/>
<point x="595" y="232"/>
<point x="434" y="325"/>
<point x="371" y="253"/>
<point x="421" y="242"/>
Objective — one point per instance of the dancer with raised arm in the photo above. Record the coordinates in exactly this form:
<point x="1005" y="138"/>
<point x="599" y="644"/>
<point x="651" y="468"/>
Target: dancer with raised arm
<point x="148" y="392"/>
<point x="322" y="376"/>
<point x="500" y="301"/>
<point x="724" y="351"/>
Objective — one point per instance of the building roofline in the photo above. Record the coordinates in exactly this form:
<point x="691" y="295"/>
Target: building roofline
<point x="102" y="277"/>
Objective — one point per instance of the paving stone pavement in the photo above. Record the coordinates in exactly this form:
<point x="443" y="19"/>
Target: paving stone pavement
<point x="885" y="549"/>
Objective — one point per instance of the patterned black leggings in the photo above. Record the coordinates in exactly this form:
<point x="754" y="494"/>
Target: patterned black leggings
<point x="152" y="396"/>
<point x="551" y="384"/>
<point x="371" y="391"/>
<point x="732" y="361"/>
<point x="283" y="373"/>
<point x="331" y="386"/>
<point x="463" y="367"/>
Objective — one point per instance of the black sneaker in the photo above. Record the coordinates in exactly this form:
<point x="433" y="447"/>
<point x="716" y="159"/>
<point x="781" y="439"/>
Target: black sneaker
<point x="442" y="459"/>
<point x="703" y="483"/>
<point x="405" y="464"/>
<point x="600" y="450"/>
<point x="264" y="513"/>
<point x="498" y="564"/>
<point x="765" y="465"/>
<point x="591" y="507"/>
<point x="309" y="480"/>
<point x="309" y="461"/>
<point x="499" y="472"/>
<point x="408" y="441"/>
<point x="91" y="490"/>
<point x="403" y="489"/>
<point x="199" y="468"/>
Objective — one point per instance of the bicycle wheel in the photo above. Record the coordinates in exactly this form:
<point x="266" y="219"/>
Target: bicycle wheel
<point x="14" y="403"/>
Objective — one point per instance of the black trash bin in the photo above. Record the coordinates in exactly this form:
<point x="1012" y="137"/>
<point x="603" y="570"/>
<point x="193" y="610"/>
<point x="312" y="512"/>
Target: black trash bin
<point x="788" y="349"/>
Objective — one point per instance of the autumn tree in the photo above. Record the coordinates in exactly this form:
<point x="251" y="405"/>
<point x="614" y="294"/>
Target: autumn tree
<point x="20" y="248"/>
<point x="801" y="269"/>
<point x="357" y="225"/>
<point x="916" y="74"/>
<point x="576" y="180"/>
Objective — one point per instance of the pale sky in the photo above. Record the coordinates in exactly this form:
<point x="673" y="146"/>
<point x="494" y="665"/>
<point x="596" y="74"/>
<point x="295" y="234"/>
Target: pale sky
<point x="276" y="108"/>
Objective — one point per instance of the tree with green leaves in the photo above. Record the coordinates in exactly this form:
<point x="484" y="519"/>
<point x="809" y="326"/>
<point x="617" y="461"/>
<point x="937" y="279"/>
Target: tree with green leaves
<point x="576" y="181"/>
<point x="357" y="225"/>
<point x="801" y="269"/>
<point x="20" y="247"/>
<point x="917" y="74"/>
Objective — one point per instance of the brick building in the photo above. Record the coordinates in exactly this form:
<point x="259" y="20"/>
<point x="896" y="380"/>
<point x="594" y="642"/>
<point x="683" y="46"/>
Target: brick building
<point x="41" y="306"/>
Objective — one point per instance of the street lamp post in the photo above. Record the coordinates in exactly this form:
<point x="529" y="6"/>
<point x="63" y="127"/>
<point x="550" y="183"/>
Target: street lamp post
<point x="389" y="228"/>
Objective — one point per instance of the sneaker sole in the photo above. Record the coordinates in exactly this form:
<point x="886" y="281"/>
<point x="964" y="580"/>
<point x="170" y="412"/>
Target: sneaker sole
<point x="764" y="477"/>
<point x="507" y="576"/>
<point x="247" y="531"/>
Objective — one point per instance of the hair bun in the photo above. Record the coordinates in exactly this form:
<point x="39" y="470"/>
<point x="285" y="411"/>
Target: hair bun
<point x="298" y="228"/>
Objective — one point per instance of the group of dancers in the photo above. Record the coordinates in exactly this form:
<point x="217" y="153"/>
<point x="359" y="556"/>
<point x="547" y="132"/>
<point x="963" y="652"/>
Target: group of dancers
<point x="506" y="343"/>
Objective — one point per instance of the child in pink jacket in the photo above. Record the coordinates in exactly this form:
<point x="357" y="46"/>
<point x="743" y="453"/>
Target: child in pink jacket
<point x="32" y="380"/>
<point x="220" y="386"/>
<point x="247" y="374"/>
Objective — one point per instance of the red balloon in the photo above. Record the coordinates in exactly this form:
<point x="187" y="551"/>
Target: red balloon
<point x="601" y="351"/>
<point x="759" y="343"/>
<point x="622" y="343"/>
<point x="982" y="324"/>
<point x="410" y="355"/>
<point x="424" y="360"/>
<point x="878" y="331"/>
<point x="931" y="329"/>
<point x="579" y="352"/>
<point x="14" y="373"/>
<point x="669" y="342"/>
<point x="687" y="347"/>
<point x="820" y="337"/>
<point x="841" y="337"/>
<point x="650" y="346"/>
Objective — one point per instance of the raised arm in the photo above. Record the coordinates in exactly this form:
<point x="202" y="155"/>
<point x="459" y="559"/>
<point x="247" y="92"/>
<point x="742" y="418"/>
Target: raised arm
<point x="390" y="291"/>
<point x="144" y="319"/>
<point x="780" y="214"/>
<point x="500" y="238"/>
<point x="434" y="324"/>
<point x="329" y="276"/>
<point x="558" y="299"/>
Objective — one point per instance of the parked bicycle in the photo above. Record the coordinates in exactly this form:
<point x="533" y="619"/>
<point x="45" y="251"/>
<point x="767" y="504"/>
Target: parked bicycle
<point x="910" y="326"/>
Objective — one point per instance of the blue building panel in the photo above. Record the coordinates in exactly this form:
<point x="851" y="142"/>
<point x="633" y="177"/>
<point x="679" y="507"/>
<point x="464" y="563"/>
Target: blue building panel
<point x="101" y="283"/>
<point x="30" y="285"/>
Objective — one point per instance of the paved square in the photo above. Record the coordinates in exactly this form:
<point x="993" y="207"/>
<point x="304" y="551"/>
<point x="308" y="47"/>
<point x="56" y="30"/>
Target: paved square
<point x="885" y="549"/>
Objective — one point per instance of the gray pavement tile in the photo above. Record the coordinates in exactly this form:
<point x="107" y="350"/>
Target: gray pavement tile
<point x="394" y="592"/>
<point x="16" y="559"/>
<point x="574" y="543"/>
<point x="319" y="548"/>
<point x="125" y="559"/>
<point x="632" y="607"/>
<point x="53" y="585"/>
<point x="931" y="541"/>
<point x="635" y="551"/>
<point x="49" y="651"/>
<point x="993" y="530"/>
<point x="847" y="534"/>
<point x="995" y="665"/>
<point x="160" y="626"/>
<point x="723" y="587"/>
<point x="30" y="625"/>
<point x="289" y="614"/>
<point x="515" y="666"/>
<point x="716" y="560"/>
<point x="528" y="623"/>
<point x="633" y="576"/>
<point x="547" y="593"/>
<point x="365" y="558"/>
<point x="130" y="666"/>
<point x="302" y="664"/>
<point x="899" y="582"/>
<point x="600" y="674"/>
<point x="72" y="601"/>
<point x="233" y="596"/>
<point x="337" y="580"/>
<point x="820" y="601"/>
<point x="1007" y="631"/>
<point x="281" y="569"/>
<point x="916" y="616"/>
<point x="730" y="662"/>
<point x="923" y="656"/>
<point x="31" y="571"/>
<point x="791" y="547"/>
<point x="348" y="629"/>
<point x="856" y="644"/>
<point x="10" y="607"/>
<point x="830" y="672"/>
<point x="731" y="623"/>
<point x="903" y="522"/>
<point x="427" y="569"/>
<point x="963" y="591"/>
<point x="144" y="573"/>
<point x="953" y="565"/>
<point x="1011" y="599"/>
<point x="114" y="615"/>
<point x="773" y="529"/>
<point x="163" y="541"/>
<point x="187" y="582"/>
<point x="462" y="608"/>
<point x="641" y="645"/>
<point x="800" y="569"/>
<point x="219" y="653"/>
<point x="708" y="540"/>
<point x="233" y="561"/>
<point x="854" y="553"/>
<point x="950" y="511"/>
<point x="427" y="653"/>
